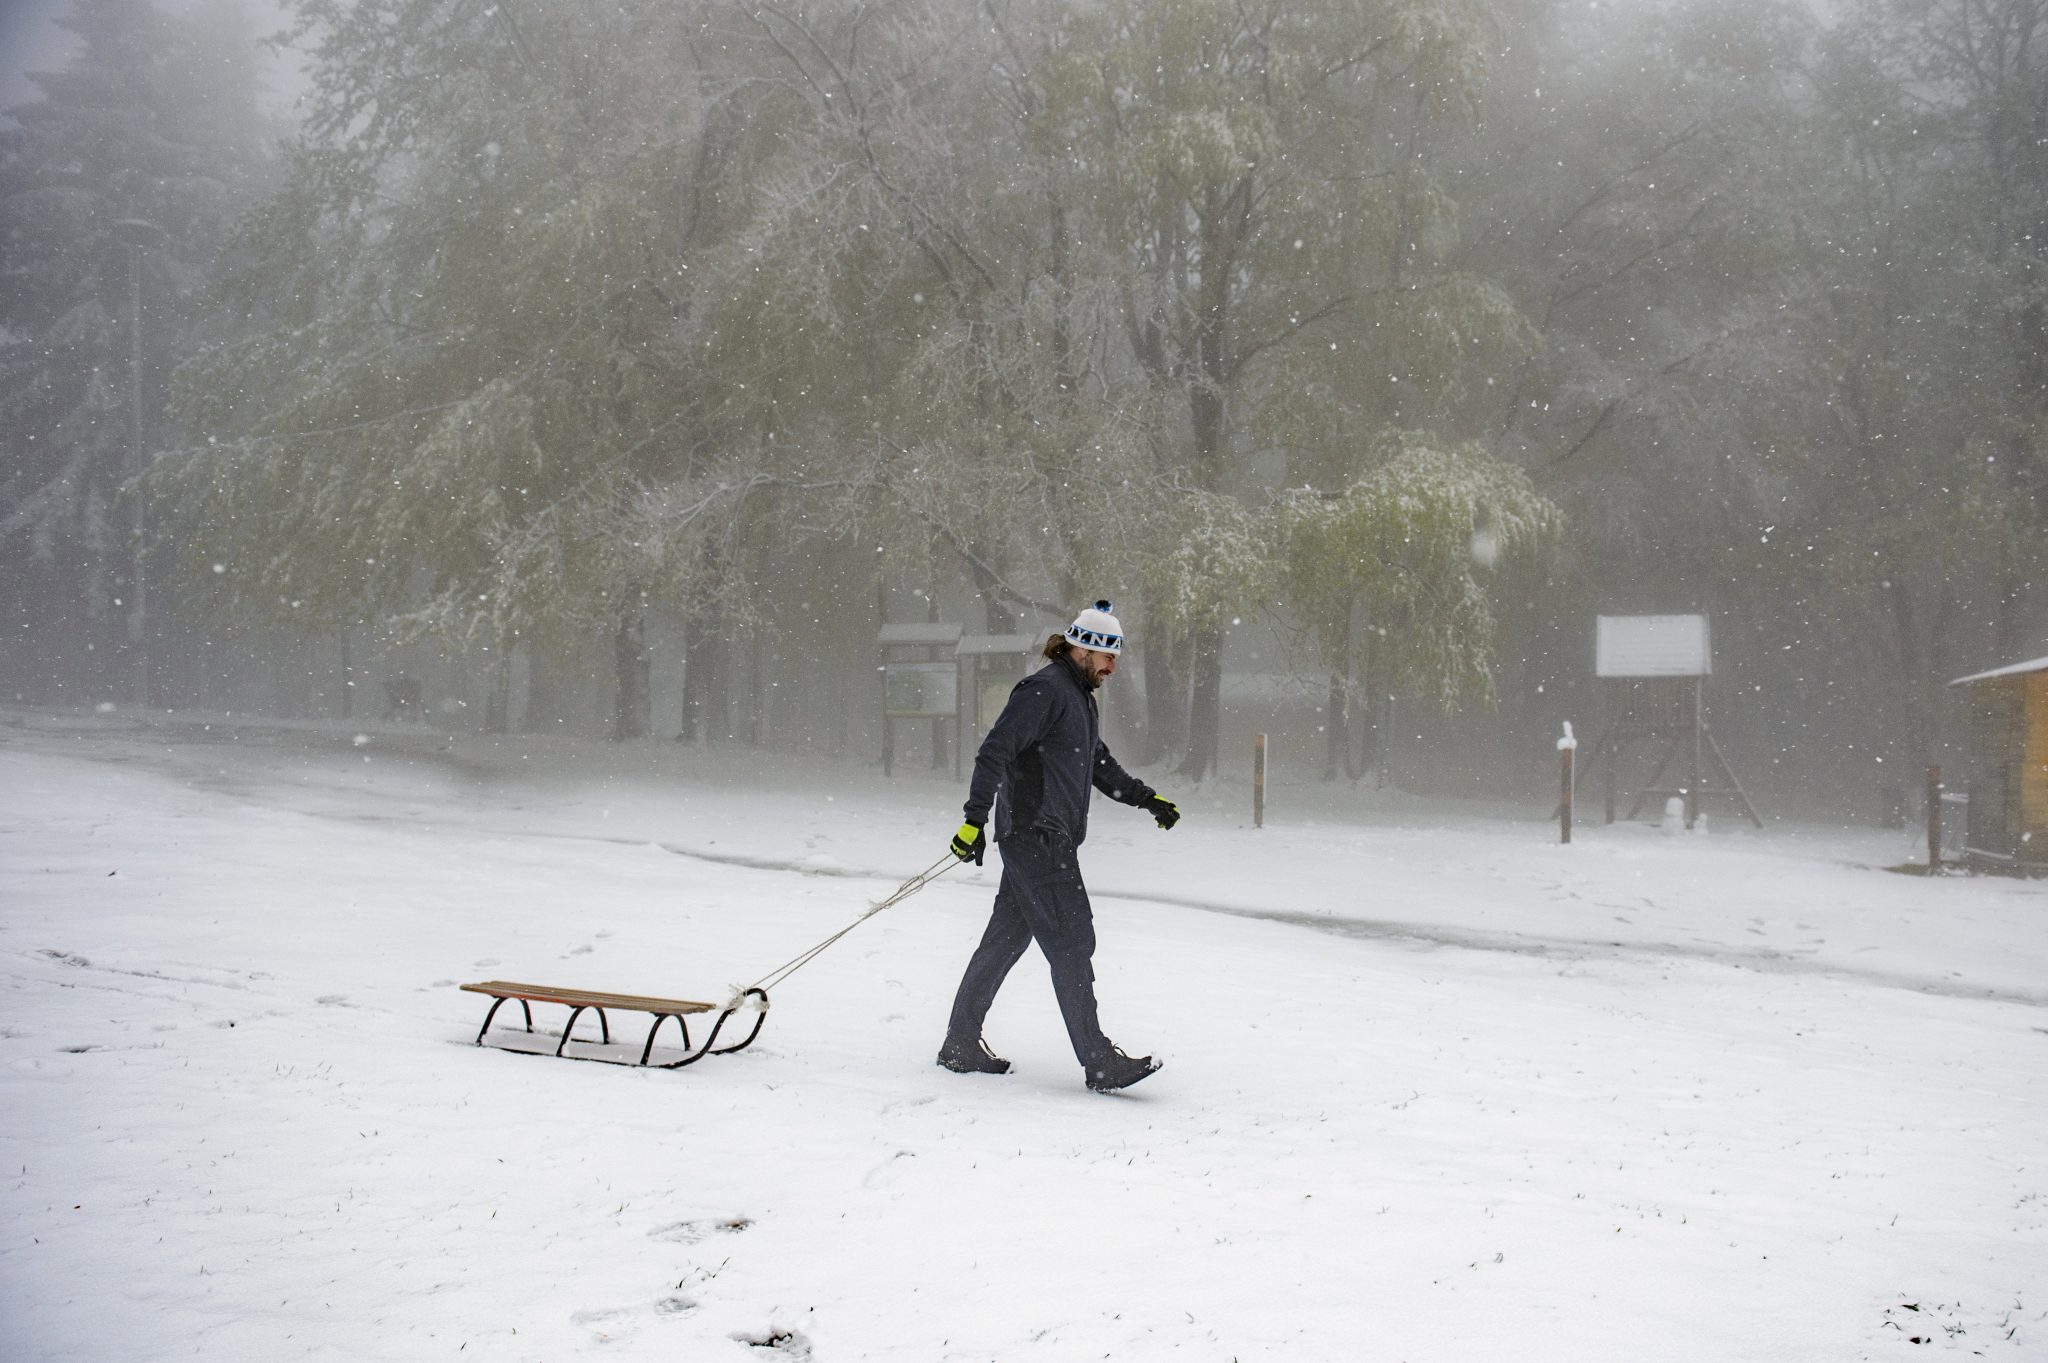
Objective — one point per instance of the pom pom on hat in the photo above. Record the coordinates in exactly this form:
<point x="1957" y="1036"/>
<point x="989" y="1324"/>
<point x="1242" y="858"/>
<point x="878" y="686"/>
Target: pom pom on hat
<point x="1096" y="628"/>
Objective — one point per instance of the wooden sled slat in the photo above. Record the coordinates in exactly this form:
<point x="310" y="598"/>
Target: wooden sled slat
<point x="636" y="1003"/>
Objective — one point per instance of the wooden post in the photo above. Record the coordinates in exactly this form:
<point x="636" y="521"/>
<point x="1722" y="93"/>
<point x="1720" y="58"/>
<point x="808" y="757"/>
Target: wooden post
<point x="881" y="675"/>
<point x="888" y="724"/>
<point x="1567" y="751"/>
<point x="1258" y="780"/>
<point x="1933" y="819"/>
<point x="1698" y="772"/>
<point x="1612" y="752"/>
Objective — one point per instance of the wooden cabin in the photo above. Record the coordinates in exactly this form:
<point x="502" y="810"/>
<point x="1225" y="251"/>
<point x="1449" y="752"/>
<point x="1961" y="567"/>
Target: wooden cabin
<point x="2007" y="774"/>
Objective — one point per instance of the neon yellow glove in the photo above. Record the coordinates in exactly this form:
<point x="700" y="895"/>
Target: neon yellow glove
<point x="969" y="844"/>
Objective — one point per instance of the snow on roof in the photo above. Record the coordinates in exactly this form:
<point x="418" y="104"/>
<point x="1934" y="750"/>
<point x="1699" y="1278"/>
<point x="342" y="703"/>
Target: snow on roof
<point x="2037" y="665"/>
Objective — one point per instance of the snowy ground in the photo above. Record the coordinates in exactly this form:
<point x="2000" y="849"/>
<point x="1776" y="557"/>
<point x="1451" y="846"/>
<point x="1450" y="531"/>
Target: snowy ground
<point x="1436" y="1088"/>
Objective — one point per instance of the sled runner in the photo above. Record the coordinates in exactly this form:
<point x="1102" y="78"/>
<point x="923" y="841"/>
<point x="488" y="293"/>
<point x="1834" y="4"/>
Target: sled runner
<point x="580" y="1000"/>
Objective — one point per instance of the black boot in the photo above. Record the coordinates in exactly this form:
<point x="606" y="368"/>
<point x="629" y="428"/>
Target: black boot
<point x="963" y="1056"/>
<point x="1119" y="1071"/>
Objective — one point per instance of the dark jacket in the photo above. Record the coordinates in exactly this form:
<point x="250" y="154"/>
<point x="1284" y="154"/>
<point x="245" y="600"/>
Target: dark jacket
<point x="1042" y="755"/>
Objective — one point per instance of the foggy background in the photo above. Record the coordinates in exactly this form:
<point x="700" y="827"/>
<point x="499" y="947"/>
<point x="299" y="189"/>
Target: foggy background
<point x="623" y="373"/>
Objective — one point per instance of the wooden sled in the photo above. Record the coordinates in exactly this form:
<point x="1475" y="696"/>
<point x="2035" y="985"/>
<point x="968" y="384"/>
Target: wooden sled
<point x="580" y="1000"/>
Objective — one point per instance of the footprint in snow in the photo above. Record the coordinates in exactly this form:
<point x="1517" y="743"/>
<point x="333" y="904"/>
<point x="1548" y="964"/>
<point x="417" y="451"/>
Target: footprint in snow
<point x="610" y="1324"/>
<point x="334" y="1001"/>
<point x="888" y="1170"/>
<point x="690" y="1232"/>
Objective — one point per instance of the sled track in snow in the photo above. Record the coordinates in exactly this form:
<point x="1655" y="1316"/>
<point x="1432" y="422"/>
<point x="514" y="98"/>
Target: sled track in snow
<point x="1425" y="935"/>
<point x="1574" y="949"/>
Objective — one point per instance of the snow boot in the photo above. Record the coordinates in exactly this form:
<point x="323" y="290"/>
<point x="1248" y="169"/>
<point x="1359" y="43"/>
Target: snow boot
<point x="1119" y="1071"/>
<point x="971" y="1057"/>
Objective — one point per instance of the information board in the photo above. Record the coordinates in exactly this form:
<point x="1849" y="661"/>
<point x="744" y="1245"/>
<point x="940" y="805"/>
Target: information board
<point x="920" y="690"/>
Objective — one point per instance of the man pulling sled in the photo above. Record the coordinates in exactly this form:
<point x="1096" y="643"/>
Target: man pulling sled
<point x="1042" y="756"/>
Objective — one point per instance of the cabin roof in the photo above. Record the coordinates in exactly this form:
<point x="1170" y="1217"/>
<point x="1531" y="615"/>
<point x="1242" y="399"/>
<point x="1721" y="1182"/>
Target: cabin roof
<point x="2014" y="670"/>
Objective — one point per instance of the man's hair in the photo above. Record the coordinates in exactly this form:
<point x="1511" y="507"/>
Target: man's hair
<point x="1056" y="646"/>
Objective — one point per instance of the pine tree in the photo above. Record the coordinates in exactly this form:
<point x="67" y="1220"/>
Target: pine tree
<point x="116" y="187"/>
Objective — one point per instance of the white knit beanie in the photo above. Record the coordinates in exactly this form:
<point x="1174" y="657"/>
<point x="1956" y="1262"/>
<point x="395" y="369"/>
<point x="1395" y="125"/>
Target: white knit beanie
<point x="1096" y="628"/>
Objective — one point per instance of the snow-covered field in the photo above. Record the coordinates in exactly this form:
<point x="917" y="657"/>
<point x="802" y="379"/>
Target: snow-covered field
<point x="1436" y="1088"/>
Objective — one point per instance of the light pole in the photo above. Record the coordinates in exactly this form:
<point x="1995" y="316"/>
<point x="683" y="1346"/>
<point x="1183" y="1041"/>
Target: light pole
<point x="137" y="233"/>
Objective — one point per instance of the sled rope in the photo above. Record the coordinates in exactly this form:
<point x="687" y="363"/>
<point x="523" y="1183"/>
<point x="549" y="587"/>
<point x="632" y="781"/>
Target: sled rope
<point x="775" y="977"/>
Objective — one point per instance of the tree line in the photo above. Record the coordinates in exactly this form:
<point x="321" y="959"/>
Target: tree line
<point x="1414" y="330"/>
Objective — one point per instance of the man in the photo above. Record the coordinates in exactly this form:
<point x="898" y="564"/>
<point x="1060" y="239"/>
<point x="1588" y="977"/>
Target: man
<point x="1042" y="755"/>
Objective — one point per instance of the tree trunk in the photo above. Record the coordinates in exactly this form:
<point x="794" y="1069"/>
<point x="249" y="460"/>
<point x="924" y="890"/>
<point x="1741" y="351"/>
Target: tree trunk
<point x="1205" y="704"/>
<point x="1337" y="729"/>
<point x="1164" y="729"/>
<point x="1337" y="712"/>
<point x="997" y="617"/>
<point x="1912" y="672"/>
<point x="547" y="692"/>
<point x="348" y="680"/>
<point x="498" y="701"/>
<point x="1209" y="415"/>
<point x="704" y="687"/>
<point x="632" y="710"/>
<point x="98" y="673"/>
<point x="757" y="690"/>
<point x="1147" y="733"/>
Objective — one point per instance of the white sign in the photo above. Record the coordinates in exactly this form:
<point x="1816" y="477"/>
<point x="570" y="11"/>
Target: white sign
<point x="1652" y="646"/>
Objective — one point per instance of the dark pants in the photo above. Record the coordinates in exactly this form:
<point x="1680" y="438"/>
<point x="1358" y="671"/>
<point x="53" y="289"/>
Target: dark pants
<point x="1041" y="899"/>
